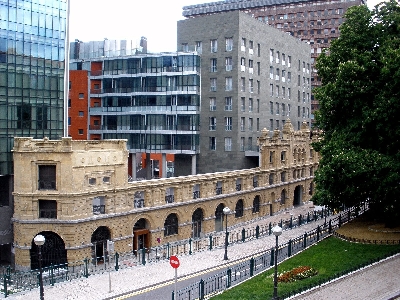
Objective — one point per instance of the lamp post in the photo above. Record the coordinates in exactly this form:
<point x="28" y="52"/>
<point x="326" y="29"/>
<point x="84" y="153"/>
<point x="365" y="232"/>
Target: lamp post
<point x="226" y="211"/>
<point x="39" y="241"/>
<point x="277" y="231"/>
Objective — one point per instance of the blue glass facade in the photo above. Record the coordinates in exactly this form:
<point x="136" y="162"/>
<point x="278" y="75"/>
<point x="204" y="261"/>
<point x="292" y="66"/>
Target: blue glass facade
<point x="32" y="61"/>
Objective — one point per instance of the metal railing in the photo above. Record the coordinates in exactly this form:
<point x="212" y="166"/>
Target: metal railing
<point x="16" y="281"/>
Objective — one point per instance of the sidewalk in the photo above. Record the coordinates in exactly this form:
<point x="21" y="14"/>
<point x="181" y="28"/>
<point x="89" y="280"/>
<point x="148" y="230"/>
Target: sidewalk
<point x="123" y="281"/>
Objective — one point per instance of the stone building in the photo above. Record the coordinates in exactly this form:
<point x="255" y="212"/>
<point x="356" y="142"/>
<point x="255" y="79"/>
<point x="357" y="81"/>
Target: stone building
<point x="77" y="194"/>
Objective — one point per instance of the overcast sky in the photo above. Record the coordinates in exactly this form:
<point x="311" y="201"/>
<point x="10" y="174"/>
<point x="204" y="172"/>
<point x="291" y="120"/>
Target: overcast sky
<point x="94" y="20"/>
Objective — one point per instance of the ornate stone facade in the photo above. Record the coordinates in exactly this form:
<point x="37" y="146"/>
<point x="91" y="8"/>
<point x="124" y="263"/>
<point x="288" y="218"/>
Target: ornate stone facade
<point x="77" y="194"/>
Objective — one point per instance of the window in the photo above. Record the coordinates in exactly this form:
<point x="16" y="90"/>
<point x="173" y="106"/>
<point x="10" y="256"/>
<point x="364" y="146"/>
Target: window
<point x="277" y="91"/>
<point x="271" y="72"/>
<point x="289" y="60"/>
<point x="213" y="84"/>
<point x="99" y="206"/>
<point x="289" y="76"/>
<point x="258" y="68"/>
<point x="228" y="144"/>
<point x="228" y="44"/>
<point x="214" y="46"/>
<point x="228" y="103"/>
<point x="228" y="123"/>
<point x="228" y="63"/>
<point x="277" y="74"/>
<point x="277" y="108"/>
<point x="242" y="124"/>
<point x="218" y="188"/>
<point x="271" y="179"/>
<point x="242" y="145"/>
<point x="251" y="86"/>
<point x="239" y="184"/>
<point x="251" y="66"/>
<point x="243" y="84"/>
<point x="196" y="191"/>
<point x="250" y="124"/>
<point x="278" y="57"/>
<point x="271" y="55"/>
<point x="258" y="124"/>
<point x="92" y="181"/>
<point x="283" y="59"/>
<point x="213" y="65"/>
<point x="80" y="131"/>
<point x="185" y="47"/>
<point x="213" y="104"/>
<point x="283" y="75"/>
<point x="81" y="114"/>
<point x="213" y="123"/>
<point x="258" y="105"/>
<point x="69" y="120"/>
<point x="81" y="96"/>
<point x="239" y="209"/>
<point x="47" y="177"/>
<point x="138" y="200"/>
<point x="283" y="92"/>
<point x="271" y="107"/>
<point x="171" y="225"/>
<point x="256" y="203"/>
<point x="69" y="102"/>
<point x="170" y="195"/>
<point x="242" y="104"/>
<point x="228" y="84"/>
<point x="199" y="47"/>
<point x="271" y="90"/>
<point x="48" y="209"/>
<point x="242" y="64"/>
<point x="283" y="109"/>
<point x="250" y="104"/>
<point x="212" y="143"/>
<point x="243" y="44"/>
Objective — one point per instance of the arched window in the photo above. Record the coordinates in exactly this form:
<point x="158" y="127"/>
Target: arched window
<point x="171" y="225"/>
<point x="256" y="204"/>
<point x="239" y="209"/>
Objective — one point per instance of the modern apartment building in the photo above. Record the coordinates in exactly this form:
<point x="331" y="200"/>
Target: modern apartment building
<point x="253" y="76"/>
<point x="32" y="61"/>
<point x="313" y="21"/>
<point x="151" y="100"/>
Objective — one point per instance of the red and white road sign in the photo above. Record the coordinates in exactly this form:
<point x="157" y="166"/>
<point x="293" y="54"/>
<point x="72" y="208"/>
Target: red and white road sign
<point x="174" y="261"/>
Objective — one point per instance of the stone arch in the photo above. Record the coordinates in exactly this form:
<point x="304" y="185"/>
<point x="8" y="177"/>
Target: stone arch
<point x="53" y="251"/>
<point x="171" y="224"/>
<point x="219" y="217"/>
<point x="239" y="208"/>
<point x="99" y="244"/>
<point x="298" y="195"/>
<point x="197" y="220"/>
<point x="141" y="235"/>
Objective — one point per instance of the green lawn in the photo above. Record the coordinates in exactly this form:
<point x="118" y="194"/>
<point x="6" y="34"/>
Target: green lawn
<point x="329" y="257"/>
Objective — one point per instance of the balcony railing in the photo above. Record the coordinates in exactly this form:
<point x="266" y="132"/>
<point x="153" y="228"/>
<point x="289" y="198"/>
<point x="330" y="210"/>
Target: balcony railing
<point x="47" y="185"/>
<point x="99" y="209"/>
<point x="196" y="194"/>
<point x="138" y="203"/>
<point x="218" y="190"/>
<point x="48" y="213"/>
<point x="169" y="199"/>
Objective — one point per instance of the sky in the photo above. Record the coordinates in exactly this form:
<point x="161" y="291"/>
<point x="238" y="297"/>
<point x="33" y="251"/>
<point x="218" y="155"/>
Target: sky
<point x="94" y="20"/>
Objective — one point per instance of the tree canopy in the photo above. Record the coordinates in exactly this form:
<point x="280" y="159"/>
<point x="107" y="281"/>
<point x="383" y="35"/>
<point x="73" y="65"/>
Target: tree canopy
<point x="359" y="114"/>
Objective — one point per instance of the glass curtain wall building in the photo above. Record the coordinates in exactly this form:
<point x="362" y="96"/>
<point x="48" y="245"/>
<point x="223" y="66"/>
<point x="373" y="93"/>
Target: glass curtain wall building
<point x="32" y="61"/>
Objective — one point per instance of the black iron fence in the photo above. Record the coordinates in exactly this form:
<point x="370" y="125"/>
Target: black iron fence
<point x="15" y="281"/>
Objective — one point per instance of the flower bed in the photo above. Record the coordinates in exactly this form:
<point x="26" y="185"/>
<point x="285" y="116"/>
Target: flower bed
<point x="298" y="273"/>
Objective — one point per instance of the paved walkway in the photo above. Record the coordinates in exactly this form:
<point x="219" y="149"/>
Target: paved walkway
<point x="136" y="278"/>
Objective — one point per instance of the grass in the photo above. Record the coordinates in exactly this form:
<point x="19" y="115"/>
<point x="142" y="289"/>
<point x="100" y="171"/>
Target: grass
<point x="329" y="257"/>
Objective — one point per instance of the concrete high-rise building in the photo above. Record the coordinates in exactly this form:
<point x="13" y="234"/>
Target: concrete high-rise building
<point x="253" y="76"/>
<point x="315" y="22"/>
<point x="32" y="62"/>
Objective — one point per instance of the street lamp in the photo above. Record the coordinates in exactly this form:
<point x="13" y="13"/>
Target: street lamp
<point x="277" y="231"/>
<point x="39" y="241"/>
<point x="226" y="211"/>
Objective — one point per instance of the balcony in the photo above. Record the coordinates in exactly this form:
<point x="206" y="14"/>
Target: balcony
<point x="99" y="209"/>
<point x="169" y="199"/>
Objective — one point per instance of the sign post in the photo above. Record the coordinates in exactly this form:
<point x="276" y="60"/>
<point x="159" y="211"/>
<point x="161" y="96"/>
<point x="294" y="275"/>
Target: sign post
<point x="174" y="262"/>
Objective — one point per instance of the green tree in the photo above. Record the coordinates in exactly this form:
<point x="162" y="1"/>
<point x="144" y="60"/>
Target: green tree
<point x="359" y="113"/>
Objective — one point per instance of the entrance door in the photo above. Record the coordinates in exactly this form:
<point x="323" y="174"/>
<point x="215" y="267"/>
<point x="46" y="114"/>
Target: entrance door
<point x="219" y="217"/>
<point x="141" y="240"/>
<point x="197" y="218"/>
<point x="298" y="193"/>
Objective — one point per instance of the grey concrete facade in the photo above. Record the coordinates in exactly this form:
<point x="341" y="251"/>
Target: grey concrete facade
<point x="253" y="76"/>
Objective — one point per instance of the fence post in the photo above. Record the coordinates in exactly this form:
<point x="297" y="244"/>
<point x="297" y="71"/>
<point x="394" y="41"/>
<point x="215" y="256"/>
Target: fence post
<point x="143" y="256"/>
<point x="210" y="242"/>
<point x="173" y="295"/>
<point x="190" y="246"/>
<point x="272" y="257"/>
<point x="51" y="274"/>
<point x="305" y="241"/>
<point x="86" y="274"/>
<point x="290" y="248"/>
<point x="308" y="217"/>
<point x="269" y="228"/>
<point x="228" y="277"/>
<point x="257" y="231"/>
<point x="330" y="226"/>
<point x="168" y="250"/>
<point x="243" y="235"/>
<point x="116" y="261"/>
<point x="5" y="286"/>
<point x="201" y="289"/>
<point x="318" y="233"/>
<point x="251" y="267"/>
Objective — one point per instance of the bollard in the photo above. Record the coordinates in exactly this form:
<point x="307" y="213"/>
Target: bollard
<point x="201" y="289"/>
<point x="305" y="241"/>
<point x="251" y="267"/>
<point x="257" y="231"/>
<point x="243" y="235"/>
<point x="86" y="274"/>
<point x="190" y="246"/>
<point x="269" y="228"/>
<point x="116" y="261"/>
<point x="143" y="256"/>
<point x="5" y="286"/>
<point x="228" y="277"/>
<point x="290" y="248"/>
